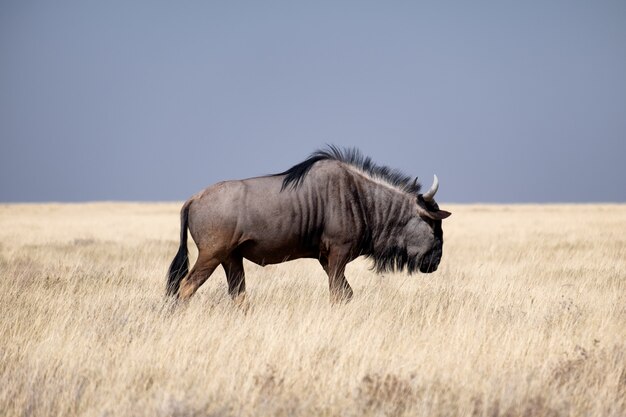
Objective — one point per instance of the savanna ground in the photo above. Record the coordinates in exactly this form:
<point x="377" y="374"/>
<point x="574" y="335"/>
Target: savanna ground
<point x="525" y="317"/>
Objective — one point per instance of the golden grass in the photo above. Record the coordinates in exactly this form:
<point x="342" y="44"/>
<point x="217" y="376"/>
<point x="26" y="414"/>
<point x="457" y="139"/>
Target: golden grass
<point x="525" y="317"/>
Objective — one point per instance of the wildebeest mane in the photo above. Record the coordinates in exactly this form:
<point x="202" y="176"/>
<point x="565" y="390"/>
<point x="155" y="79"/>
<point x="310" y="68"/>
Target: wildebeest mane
<point x="351" y="156"/>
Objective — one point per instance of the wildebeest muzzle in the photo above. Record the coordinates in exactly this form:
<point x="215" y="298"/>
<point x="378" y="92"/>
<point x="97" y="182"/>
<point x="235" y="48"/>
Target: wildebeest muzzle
<point x="430" y="261"/>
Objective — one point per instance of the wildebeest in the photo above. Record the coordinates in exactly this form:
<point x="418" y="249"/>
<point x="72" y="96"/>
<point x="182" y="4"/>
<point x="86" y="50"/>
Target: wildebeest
<point x="334" y="206"/>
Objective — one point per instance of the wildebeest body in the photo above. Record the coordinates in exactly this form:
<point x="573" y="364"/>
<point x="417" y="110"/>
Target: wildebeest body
<point x="333" y="212"/>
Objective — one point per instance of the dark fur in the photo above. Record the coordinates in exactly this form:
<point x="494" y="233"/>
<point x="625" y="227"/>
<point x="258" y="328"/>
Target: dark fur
<point x="354" y="157"/>
<point x="180" y="265"/>
<point x="393" y="259"/>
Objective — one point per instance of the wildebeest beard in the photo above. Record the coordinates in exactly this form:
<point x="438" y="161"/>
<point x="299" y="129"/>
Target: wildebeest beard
<point x="393" y="259"/>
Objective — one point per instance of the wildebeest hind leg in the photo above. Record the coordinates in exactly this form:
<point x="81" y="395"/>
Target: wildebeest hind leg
<point x="235" y="275"/>
<point x="201" y="271"/>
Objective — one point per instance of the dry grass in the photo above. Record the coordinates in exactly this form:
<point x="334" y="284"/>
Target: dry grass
<point x="526" y="317"/>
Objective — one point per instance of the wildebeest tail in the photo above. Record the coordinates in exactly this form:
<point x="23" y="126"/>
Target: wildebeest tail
<point x="180" y="265"/>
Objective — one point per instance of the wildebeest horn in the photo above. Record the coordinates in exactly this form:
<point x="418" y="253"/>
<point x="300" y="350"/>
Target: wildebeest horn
<point x="430" y="194"/>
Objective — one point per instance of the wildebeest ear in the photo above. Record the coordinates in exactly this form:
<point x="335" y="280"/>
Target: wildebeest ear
<point x="440" y="214"/>
<point x="435" y="215"/>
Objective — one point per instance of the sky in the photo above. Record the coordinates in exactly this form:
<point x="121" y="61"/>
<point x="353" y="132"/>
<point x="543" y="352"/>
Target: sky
<point x="507" y="102"/>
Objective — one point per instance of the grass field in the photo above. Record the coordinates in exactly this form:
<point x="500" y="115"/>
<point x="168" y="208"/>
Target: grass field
<point x="526" y="316"/>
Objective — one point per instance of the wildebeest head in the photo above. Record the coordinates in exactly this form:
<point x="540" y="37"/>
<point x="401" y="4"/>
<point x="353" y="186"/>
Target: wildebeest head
<point x="424" y="231"/>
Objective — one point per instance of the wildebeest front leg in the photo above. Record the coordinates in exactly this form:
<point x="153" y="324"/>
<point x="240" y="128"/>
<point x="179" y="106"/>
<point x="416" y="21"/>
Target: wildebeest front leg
<point x="235" y="275"/>
<point x="335" y="265"/>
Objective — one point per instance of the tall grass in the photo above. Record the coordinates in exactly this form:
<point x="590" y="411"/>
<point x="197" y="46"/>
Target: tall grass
<point x="525" y="317"/>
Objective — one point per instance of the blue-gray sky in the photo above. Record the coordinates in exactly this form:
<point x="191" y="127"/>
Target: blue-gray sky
<point x="129" y="100"/>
